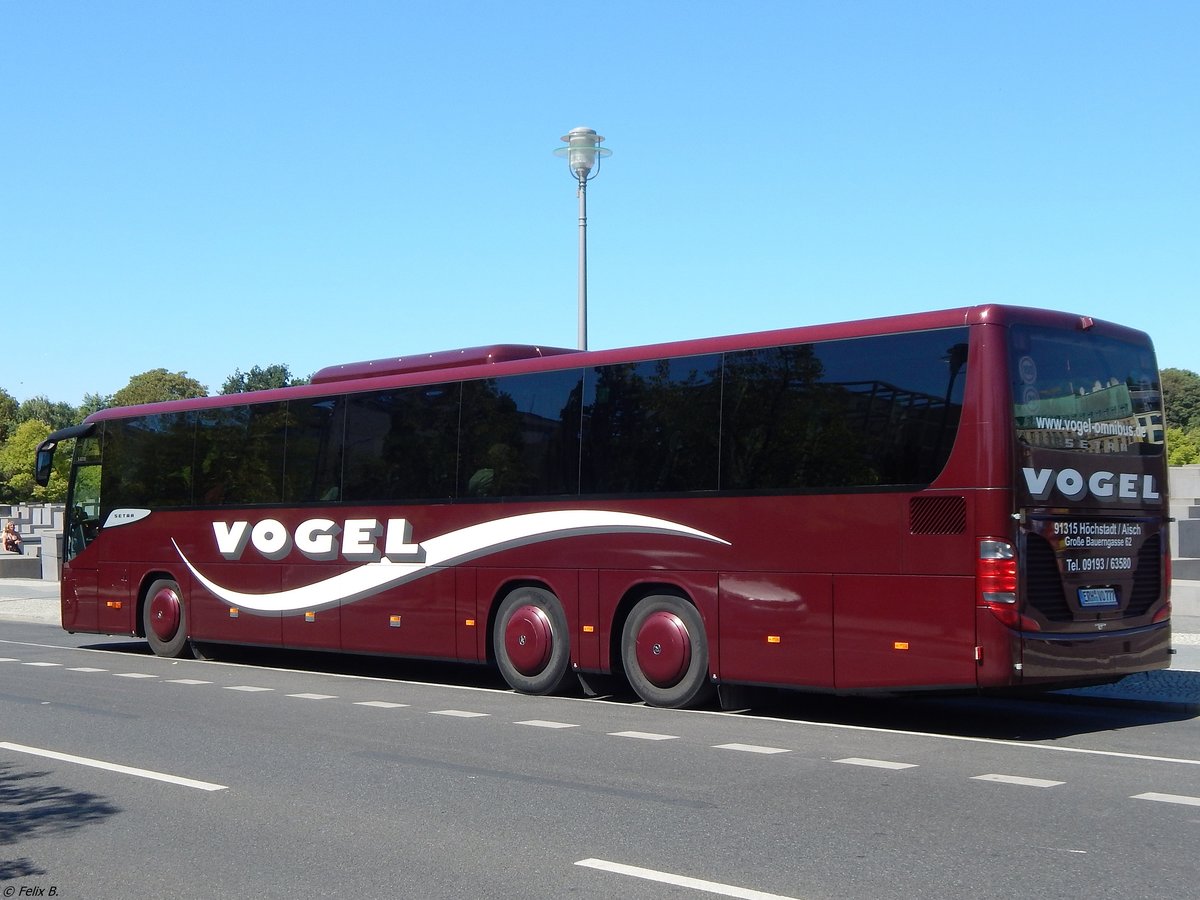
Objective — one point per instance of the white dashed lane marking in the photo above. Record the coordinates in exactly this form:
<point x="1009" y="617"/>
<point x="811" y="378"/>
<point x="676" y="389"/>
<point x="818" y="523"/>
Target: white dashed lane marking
<point x="1018" y="779"/>
<point x="1023" y="781"/>
<point x="380" y="704"/>
<point x="1168" y="798"/>
<point x="875" y="763"/>
<point x="112" y="767"/>
<point x="751" y="748"/>
<point x="684" y="881"/>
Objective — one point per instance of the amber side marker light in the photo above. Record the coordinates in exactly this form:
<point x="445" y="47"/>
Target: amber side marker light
<point x="113" y="604"/>
<point x="774" y="639"/>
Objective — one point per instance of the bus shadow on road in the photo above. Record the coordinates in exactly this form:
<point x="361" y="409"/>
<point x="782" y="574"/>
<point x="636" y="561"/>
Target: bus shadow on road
<point x="1032" y="717"/>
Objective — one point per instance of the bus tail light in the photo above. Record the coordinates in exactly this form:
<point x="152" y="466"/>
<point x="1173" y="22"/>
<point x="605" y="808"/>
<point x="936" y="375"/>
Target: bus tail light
<point x="996" y="577"/>
<point x="1165" y="613"/>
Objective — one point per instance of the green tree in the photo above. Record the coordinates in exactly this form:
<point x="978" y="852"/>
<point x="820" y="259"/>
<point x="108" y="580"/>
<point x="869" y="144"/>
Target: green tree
<point x="158" y="385"/>
<point x="1181" y="398"/>
<point x="94" y="403"/>
<point x="16" y="466"/>
<point x="8" y="413"/>
<point x="42" y="409"/>
<point x="1183" y="447"/>
<point x="260" y="379"/>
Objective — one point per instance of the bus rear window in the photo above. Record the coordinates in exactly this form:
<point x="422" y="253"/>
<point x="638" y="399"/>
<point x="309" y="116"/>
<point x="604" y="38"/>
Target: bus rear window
<point x="1074" y="390"/>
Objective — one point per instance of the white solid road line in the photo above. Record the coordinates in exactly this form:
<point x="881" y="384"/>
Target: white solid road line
<point x="113" y="767"/>
<point x="696" y="884"/>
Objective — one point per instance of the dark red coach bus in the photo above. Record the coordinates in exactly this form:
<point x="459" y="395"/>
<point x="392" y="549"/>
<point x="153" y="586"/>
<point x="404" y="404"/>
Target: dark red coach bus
<point x="971" y="499"/>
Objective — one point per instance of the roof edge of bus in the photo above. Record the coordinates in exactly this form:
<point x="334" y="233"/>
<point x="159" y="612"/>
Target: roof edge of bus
<point x="497" y="359"/>
<point x="443" y="359"/>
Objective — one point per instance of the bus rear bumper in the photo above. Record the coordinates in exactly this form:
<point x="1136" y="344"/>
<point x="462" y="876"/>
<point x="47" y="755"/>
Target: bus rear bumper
<point x="1092" y="658"/>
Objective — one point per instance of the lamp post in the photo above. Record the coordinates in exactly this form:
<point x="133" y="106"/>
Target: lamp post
<point x="583" y="153"/>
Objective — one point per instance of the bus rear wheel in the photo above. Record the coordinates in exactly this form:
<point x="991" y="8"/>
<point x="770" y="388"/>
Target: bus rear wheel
<point x="665" y="652"/>
<point x="533" y="650"/>
<point x="164" y="619"/>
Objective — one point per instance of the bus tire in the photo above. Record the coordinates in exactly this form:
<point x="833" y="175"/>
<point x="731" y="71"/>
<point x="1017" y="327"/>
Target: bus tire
<point x="532" y="646"/>
<point x="164" y="619"/>
<point x="665" y="652"/>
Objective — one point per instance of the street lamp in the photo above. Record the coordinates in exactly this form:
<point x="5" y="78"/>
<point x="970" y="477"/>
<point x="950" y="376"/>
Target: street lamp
<point x="583" y="153"/>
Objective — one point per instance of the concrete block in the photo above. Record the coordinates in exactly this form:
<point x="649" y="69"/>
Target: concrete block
<point x="1185" y="569"/>
<point x="1184" y="481"/>
<point x="1187" y="539"/>
<point x="14" y="566"/>
<point x="52" y="557"/>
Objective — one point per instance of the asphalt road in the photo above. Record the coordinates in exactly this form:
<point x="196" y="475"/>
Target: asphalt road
<point x="376" y="779"/>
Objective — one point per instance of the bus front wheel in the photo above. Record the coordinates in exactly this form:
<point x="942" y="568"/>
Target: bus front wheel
<point x="665" y="652"/>
<point x="533" y="650"/>
<point x="164" y="619"/>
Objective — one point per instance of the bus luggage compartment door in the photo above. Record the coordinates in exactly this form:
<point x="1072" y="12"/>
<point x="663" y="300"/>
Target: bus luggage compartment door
<point x="905" y="631"/>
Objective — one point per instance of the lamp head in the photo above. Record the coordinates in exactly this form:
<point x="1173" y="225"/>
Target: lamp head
<point x="583" y="151"/>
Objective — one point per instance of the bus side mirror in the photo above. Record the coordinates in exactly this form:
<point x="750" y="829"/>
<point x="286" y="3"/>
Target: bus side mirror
<point x="45" y="451"/>
<point x="45" y="462"/>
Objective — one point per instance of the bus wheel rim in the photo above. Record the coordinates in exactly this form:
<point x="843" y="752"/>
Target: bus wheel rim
<point x="529" y="639"/>
<point x="664" y="648"/>
<point x="164" y="614"/>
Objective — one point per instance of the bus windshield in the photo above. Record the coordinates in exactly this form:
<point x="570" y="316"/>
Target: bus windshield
<point x="1084" y="392"/>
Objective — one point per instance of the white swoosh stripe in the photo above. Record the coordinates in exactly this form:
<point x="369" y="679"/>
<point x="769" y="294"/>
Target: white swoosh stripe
<point x="447" y="549"/>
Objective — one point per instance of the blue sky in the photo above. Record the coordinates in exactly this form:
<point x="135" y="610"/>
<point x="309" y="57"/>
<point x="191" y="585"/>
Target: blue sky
<point x="207" y="186"/>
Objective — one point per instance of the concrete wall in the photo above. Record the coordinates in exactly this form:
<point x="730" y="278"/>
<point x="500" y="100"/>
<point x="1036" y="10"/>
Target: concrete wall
<point x="1185" y="529"/>
<point x="40" y="526"/>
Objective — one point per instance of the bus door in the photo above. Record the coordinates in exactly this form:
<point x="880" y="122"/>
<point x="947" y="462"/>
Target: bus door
<point x="81" y="523"/>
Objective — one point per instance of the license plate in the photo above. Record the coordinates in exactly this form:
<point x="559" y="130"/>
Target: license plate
<point x="1103" y="596"/>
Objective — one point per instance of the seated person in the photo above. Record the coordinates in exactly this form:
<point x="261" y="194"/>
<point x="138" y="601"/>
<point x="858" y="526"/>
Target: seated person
<point x="12" y="540"/>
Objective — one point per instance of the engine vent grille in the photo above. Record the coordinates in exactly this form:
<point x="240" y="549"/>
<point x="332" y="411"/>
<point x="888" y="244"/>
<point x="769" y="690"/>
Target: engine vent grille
<point x="1043" y="583"/>
<point x="937" y="515"/>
